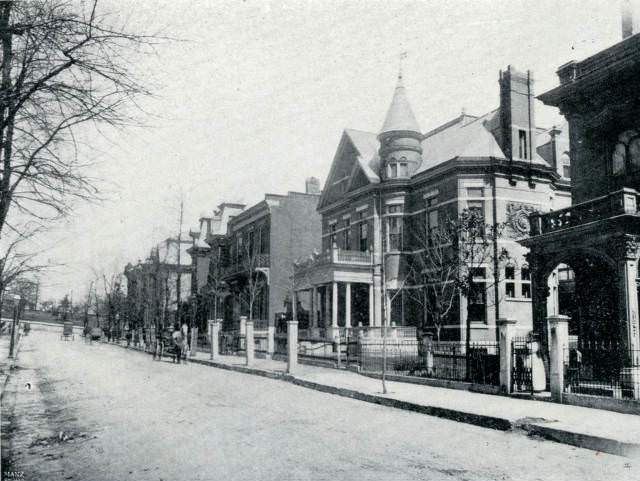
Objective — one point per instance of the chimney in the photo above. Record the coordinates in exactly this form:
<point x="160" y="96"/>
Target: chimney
<point x="312" y="185"/>
<point x="517" y="116"/>
<point x="629" y="20"/>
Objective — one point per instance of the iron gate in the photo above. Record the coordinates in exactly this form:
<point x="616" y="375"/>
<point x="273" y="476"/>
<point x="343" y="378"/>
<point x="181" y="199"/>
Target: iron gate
<point x="521" y="365"/>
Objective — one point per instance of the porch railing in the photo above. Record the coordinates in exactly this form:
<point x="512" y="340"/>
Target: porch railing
<point x="624" y="201"/>
<point x="261" y="260"/>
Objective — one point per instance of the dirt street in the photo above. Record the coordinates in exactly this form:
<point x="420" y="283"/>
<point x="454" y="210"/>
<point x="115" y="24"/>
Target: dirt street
<point x="99" y="412"/>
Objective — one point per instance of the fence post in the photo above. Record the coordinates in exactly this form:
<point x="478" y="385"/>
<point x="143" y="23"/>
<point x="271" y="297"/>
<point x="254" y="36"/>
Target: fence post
<point x="214" y="333"/>
<point x="506" y="330"/>
<point x="194" y="341"/>
<point x="427" y="349"/>
<point x="271" y="341"/>
<point x="249" y="344"/>
<point x="559" y="342"/>
<point x="292" y="346"/>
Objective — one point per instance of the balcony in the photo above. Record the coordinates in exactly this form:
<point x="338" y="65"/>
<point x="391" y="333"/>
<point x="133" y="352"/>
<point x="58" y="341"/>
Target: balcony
<point x="622" y="202"/>
<point x="335" y="256"/>
<point x="241" y="266"/>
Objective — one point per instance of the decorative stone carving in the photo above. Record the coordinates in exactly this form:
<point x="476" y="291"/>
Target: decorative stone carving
<point x="518" y="218"/>
<point x="626" y="247"/>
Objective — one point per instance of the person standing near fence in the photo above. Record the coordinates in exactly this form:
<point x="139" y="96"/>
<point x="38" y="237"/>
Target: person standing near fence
<point x="177" y="343"/>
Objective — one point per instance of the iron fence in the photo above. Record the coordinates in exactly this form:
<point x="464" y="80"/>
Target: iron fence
<point x="231" y="342"/>
<point x="439" y="360"/>
<point x="604" y="369"/>
<point x="522" y="352"/>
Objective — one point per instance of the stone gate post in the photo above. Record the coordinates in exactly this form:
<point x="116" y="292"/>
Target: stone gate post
<point x="249" y="343"/>
<point x="558" y="346"/>
<point x="506" y="332"/>
<point x="292" y="346"/>
<point x="271" y="341"/>
<point x="214" y="335"/>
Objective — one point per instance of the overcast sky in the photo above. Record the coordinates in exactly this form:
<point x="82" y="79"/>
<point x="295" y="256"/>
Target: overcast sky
<point x="255" y="97"/>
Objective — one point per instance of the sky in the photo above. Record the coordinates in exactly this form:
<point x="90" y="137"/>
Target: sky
<point x="251" y="97"/>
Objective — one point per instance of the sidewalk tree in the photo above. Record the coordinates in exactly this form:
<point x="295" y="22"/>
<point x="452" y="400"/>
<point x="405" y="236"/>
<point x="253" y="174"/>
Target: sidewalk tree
<point x="255" y="280"/>
<point x="65" y="64"/>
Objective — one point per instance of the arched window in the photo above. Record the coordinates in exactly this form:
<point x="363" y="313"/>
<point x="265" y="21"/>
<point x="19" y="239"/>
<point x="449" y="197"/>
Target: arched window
<point x="626" y="153"/>
<point x="634" y="153"/>
<point x="618" y="159"/>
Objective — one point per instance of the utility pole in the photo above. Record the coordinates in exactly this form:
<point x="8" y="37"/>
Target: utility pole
<point x="179" y="273"/>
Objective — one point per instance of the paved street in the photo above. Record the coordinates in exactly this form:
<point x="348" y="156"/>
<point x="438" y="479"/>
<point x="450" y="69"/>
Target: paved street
<point x="99" y="412"/>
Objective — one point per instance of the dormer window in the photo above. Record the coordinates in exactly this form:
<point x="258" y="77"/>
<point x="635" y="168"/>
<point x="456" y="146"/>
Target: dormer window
<point x="393" y="170"/>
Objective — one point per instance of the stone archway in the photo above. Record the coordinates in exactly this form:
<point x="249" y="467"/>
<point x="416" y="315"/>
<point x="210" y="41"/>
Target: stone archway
<point x="596" y="315"/>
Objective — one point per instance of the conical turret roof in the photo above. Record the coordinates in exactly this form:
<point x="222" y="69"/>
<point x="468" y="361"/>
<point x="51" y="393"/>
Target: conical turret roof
<point x="400" y="116"/>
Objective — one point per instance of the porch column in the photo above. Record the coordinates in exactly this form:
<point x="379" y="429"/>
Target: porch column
<point x="629" y="297"/>
<point x="314" y="307"/>
<point x="630" y="375"/>
<point x="347" y="306"/>
<point x="327" y="306"/>
<point x="371" y="309"/>
<point x="292" y="346"/>
<point x="334" y="305"/>
<point x="294" y="305"/>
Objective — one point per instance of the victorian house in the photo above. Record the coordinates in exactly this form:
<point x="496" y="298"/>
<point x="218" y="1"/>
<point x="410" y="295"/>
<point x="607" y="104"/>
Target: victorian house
<point x="599" y="234"/>
<point x="384" y="186"/>
<point x="207" y="245"/>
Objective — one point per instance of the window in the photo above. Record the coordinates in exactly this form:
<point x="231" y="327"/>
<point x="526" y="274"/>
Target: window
<point x="347" y="234"/>
<point x="510" y="285"/>
<point x="522" y="145"/>
<point x="634" y="153"/>
<point x="565" y="162"/>
<point x="264" y="239"/>
<point x="394" y="224"/>
<point x="432" y="225"/>
<point x="250" y="243"/>
<point x="525" y="278"/>
<point x="393" y="170"/>
<point x="239" y="248"/>
<point x="404" y="171"/>
<point x="364" y="233"/>
<point x="478" y="296"/>
<point x="626" y="153"/>
<point x="332" y="237"/>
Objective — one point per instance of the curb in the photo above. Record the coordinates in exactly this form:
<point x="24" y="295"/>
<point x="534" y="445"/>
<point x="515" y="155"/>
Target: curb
<point x="585" y="441"/>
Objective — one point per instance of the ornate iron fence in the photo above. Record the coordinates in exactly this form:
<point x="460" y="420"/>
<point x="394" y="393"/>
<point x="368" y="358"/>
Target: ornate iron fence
<point x="438" y="360"/>
<point x="602" y="368"/>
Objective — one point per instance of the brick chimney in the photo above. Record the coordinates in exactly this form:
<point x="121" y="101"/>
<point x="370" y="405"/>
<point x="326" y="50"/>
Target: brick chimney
<point x="312" y="185"/>
<point x="517" y="114"/>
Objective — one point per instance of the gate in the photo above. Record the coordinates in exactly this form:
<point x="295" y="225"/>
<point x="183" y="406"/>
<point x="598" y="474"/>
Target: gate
<point x="521" y="364"/>
<point x="231" y="342"/>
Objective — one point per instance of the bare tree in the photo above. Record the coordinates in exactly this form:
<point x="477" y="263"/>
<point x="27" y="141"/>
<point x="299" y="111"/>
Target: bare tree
<point x="255" y="281"/>
<point x="64" y="64"/>
<point x="20" y="260"/>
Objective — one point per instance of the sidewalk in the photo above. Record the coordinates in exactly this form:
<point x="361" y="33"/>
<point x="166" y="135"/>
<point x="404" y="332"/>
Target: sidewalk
<point x="595" y="429"/>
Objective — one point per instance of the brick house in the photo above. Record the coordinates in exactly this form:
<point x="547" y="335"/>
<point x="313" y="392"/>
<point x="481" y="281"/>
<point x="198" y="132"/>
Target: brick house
<point x="383" y="186"/>
<point x="258" y="251"/>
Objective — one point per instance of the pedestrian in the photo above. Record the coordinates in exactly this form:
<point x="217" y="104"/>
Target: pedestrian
<point x="185" y="340"/>
<point x="177" y="343"/>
